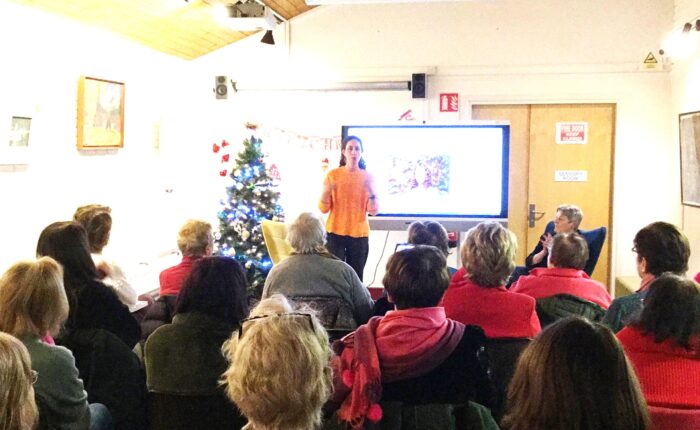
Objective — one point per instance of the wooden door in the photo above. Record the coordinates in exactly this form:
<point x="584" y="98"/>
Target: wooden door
<point x="519" y="117"/>
<point x="545" y="157"/>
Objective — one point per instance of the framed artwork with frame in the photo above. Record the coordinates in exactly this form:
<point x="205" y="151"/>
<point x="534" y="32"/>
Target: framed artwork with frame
<point x="16" y="150"/>
<point x="689" y="132"/>
<point x="100" y="113"/>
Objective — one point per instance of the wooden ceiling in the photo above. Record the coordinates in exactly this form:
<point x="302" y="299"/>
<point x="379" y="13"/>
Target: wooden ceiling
<point x="186" y="29"/>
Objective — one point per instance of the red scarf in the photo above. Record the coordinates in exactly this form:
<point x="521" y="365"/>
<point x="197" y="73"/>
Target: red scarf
<point x="402" y="345"/>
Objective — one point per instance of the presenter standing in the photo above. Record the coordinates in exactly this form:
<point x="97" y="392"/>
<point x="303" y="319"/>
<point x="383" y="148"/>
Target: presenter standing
<point x="349" y="195"/>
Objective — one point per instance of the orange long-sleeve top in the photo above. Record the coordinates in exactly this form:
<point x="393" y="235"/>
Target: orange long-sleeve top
<point x="348" y="205"/>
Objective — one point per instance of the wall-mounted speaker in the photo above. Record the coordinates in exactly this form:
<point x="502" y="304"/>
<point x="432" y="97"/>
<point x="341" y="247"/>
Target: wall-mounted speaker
<point x="221" y="87"/>
<point x="418" y="85"/>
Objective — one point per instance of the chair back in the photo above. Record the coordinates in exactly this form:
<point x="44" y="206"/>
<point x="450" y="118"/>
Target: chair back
<point x="674" y="419"/>
<point x="275" y="235"/>
<point x="595" y="239"/>
<point x="503" y="356"/>
<point x="554" y="308"/>
<point x="177" y="412"/>
<point x="112" y="375"/>
<point x="333" y="312"/>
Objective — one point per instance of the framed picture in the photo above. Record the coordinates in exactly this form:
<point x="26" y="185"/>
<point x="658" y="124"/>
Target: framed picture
<point x="15" y="150"/>
<point x="689" y="127"/>
<point x="100" y="113"/>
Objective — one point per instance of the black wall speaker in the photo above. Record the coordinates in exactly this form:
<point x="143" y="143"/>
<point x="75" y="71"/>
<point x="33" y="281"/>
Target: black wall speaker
<point x="418" y="85"/>
<point x="221" y="87"/>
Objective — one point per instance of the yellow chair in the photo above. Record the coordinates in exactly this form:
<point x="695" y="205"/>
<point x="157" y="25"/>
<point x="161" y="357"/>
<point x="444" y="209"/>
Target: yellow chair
<point x="275" y="234"/>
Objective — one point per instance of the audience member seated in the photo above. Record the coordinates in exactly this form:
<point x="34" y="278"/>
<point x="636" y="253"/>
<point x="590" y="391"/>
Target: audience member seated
<point x="97" y="220"/>
<point x="311" y="274"/>
<point x="564" y="274"/>
<point x="183" y="359"/>
<point x="18" y="410"/>
<point x="92" y="304"/>
<point x="33" y="303"/>
<point x="663" y="344"/>
<point x="195" y="240"/>
<point x="574" y="375"/>
<point x="414" y="357"/>
<point x="660" y="247"/>
<point x="476" y="294"/>
<point x="279" y="374"/>
<point x="567" y="220"/>
<point x="419" y="233"/>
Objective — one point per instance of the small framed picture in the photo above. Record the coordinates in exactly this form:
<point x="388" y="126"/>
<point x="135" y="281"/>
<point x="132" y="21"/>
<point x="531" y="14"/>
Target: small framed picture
<point x="100" y="113"/>
<point x="15" y="150"/>
<point x="689" y="130"/>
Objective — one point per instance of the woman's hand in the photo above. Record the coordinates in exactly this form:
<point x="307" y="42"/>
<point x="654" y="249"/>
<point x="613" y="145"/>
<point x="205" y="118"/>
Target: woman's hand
<point x="324" y="203"/>
<point x="372" y="203"/>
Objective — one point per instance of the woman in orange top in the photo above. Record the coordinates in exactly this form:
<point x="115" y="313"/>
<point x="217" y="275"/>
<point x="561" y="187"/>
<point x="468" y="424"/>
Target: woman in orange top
<point x="348" y="194"/>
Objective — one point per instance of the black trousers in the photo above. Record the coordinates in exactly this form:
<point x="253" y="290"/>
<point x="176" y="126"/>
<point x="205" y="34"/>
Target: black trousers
<point x="352" y="250"/>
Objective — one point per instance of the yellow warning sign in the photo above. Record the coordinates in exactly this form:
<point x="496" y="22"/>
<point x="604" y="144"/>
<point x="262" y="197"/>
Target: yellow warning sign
<point x="650" y="59"/>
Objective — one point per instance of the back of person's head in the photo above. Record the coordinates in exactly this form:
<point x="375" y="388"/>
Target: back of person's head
<point x="569" y="250"/>
<point x="217" y="287"/>
<point x="32" y="299"/>
<point x="279" y="374"/>
<point x="429" y="233"/>
<point x="306" y="234"/>
<point x="664" y="248"/>
<point x="67" y="243"/>
<point x="488" y="254"/>
<point x="97" y="220"/>
<point x="195" y="238"/>
<point x="18" y="409"/>
<point x="671" y="309"/>
<point x="416" y="277"/>
<point x="573" y="213"/>
<point x="575" y="376"/>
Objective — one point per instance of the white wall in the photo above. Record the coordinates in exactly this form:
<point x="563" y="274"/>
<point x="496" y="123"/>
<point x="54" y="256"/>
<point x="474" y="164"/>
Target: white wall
<point x="43" y="57"/>
<point x="685" y="80"/>
<point x="490" y="52"/>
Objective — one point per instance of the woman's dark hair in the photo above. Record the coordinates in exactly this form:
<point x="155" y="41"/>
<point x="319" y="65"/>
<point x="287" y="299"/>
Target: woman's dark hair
<point x="671" y="309"/>
<point x="664" y="247"/>
<point x="97" y="220"/>
<point x="574" y="376"/>
<point x="67" y="243"/>
<point x="216" y="287"/>
<point x="429" y="233"/>
<point x="343" y="144"/>
<point x="416" y="277"/>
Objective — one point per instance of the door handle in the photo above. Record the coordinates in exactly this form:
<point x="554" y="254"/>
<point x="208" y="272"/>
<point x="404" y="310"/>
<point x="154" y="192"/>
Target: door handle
<point x="533" y="215"/>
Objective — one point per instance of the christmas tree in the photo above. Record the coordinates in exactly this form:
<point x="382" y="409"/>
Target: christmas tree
<point x="251" y="199"/>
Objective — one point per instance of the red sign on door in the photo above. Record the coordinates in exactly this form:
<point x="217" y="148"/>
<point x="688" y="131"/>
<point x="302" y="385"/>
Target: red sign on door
<point x="449" y="102"/>
<point x="572" y="132"/>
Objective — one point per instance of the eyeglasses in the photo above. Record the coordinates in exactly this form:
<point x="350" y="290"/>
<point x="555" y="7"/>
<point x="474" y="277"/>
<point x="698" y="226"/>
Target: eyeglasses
<point x="634" y="249"/>
<point x="290" y="314"/>
<point x="35" y="376"/>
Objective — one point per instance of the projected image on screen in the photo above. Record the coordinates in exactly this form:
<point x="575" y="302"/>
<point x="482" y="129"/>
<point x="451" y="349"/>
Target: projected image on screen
<point x="437" y="171"/>
<point x="429" y="174"/>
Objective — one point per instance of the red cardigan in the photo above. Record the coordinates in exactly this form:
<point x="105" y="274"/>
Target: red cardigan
<point x="501" y="313"/>
<point x="669" y="374"/>
<point x="171" y="279"/>
<point x="543" y="282"/>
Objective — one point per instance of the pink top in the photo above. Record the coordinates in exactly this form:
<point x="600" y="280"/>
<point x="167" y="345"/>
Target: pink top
<point x="546" y="282"/>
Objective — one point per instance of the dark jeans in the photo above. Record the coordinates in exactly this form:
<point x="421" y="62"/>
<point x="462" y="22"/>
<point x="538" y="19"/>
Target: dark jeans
<point x="352" y="250"/>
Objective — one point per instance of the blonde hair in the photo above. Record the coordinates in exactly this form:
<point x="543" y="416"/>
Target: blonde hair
<point x="194" y="237"/>
<point x="307" y="235"/>
<point x="33" y="300"/>
<point x="488" y="254"/>
<point x="18" y="409"/>
<point x="279" y="374"/>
